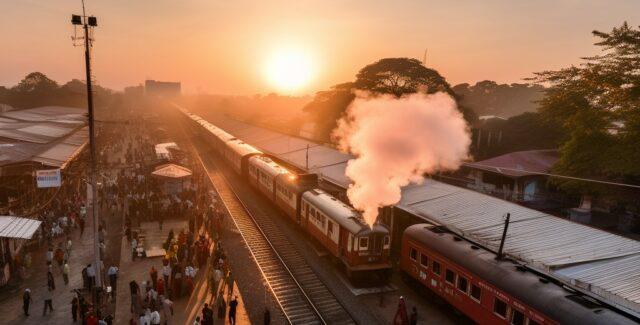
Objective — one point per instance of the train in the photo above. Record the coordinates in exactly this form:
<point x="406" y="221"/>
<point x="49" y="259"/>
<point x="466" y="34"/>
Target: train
<point x="363" y="250"/>
<point x="432" y="259"/>
<point x="490" y="290"/>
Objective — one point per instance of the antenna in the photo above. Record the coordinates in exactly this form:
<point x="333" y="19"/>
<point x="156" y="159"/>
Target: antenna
<point x="424" y="58"/>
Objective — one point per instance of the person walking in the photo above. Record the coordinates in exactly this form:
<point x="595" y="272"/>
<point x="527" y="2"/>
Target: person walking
<point x="233" y="305"/>
<point x="26" y="301"/>
<point x="65" y="272"/>
<point x="51" y="283"/>
<point x="74" y="308"/>
<point x="167" y="309"/>
<point x="113" y="279"/>
<point x="413" y="319"/>
<point x="166" y="273"/>
<point x="155" y="317"/>
<point x="48" y="301"/>
<point x="153" y="273"/>
<point x="69" y="245"/>
<point x="91" y="275"/>
<point x="49" y="255"/>
<point x="207" y="315"/>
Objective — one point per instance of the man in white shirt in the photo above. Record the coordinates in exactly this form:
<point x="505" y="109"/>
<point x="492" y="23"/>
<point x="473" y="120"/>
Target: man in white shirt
<point x="166" y="273"/>
<point x="113" y="278"/>
<point x="155" y="318"/>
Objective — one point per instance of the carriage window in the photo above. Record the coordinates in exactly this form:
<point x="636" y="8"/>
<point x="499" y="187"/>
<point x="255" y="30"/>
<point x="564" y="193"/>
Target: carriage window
<point x="449" y="276"/>
<point x="424" y="260"/>
<point x="500" y="308"/>
<point x="413" y="254"/>
<point x="364" y="242"/>
<point x="436" y="267"/>
<point x="386" y="240"/>
<point x="463" y="284"/>
<point x="330" y="227"/>
<point x="517" y="317"/>
<point x="475" y="292"/>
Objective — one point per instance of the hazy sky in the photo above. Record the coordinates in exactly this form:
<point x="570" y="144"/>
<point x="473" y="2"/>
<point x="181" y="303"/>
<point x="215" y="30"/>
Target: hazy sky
<point x="221" y="46"/>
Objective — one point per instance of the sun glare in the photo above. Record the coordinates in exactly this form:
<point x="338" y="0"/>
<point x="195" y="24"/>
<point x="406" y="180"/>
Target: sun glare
<point x="289" y="70"/>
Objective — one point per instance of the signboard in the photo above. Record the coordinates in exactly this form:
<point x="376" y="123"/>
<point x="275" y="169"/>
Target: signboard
<point x="48" y="178"/>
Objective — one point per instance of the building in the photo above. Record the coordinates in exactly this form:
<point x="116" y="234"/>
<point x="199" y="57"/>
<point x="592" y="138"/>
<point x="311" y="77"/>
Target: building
<point x="163" y="89"/>
<point x="517" y="176"/>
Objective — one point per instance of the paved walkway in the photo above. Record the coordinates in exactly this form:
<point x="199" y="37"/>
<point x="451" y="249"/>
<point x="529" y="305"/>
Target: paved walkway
<point x="11" y="298"/>
<point x="186" y="308"/>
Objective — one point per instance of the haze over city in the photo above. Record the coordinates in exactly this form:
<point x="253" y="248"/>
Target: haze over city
<point x="224" y="47"/>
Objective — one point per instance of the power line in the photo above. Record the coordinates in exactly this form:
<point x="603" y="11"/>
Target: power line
<point x="499" y="169"/>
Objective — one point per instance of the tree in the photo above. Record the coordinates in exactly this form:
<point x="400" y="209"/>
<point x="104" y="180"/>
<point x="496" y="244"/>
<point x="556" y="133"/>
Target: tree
<point x="396" y="76"/>
<point x="399" y="76"/>
<point x="490" y="98"/>
<point x="599" y="102"/>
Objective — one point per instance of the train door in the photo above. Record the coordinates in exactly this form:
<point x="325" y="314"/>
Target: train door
<point x="377" y="243"/>
<point x="343" y="239"/>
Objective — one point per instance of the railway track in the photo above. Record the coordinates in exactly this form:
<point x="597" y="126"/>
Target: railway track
<point x="301" y="295"/>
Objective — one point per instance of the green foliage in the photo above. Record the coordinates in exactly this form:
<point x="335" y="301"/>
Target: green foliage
<point x="527" y="131"/>
<point x="599" y="102"/>
<point x="395" y="76"/>
<point x="490" y="98"/>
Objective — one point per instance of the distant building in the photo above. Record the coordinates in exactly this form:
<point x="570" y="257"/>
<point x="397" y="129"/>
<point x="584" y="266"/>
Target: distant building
<point x="162" y="88"/>
<point x="134" y="91"/>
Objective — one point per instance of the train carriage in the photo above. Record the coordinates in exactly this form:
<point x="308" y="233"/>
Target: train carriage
<point x="238" y="153"/>
<point x="289" y="189"/>
<point x="262" y="175"/>
<point x="492" y="291"/>
<point x="341" y="230"/>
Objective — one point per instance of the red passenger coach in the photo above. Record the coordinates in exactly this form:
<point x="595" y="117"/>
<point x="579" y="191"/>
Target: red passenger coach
<point x="491" y="291"/>
<point x="341" y="230"/>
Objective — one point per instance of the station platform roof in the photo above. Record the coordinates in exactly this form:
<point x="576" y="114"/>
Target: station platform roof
<point x="596" y="262"/>
<point x="18" y="228"/>
<point x="50" y="135"/>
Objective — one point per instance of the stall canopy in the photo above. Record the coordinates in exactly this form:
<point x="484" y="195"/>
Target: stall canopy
<point x="172" y="171"/>
<point x="19" y="228"/>
<point x="162" y="149"/>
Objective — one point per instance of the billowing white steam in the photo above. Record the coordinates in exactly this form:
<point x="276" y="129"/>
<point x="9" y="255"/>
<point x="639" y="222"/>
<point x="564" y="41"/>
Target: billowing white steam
<point x="396" y="141"/>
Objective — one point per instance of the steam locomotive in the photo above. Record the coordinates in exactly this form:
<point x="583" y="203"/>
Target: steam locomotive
<point x="339" y="228"/>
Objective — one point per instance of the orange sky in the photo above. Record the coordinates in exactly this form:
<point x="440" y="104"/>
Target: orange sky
<point x="221" y="46"/>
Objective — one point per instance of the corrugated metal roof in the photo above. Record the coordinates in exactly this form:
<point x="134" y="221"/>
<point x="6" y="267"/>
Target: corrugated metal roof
<point x="609" y="264"/>
<point x="49" y="135"/>
<point x="15" y="227"/>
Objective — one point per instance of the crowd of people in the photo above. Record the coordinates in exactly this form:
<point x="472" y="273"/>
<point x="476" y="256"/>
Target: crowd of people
<point x="127" y="190"/>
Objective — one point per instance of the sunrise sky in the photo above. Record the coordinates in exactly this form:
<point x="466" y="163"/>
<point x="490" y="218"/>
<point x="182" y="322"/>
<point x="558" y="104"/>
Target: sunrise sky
<point x="227" y="47"/>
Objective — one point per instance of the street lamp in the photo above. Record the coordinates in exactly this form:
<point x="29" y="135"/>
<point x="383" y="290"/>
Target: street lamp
<point x="87" y="23"/>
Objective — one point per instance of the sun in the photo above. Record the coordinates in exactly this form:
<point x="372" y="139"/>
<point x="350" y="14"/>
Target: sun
<point x="289" y="70"/>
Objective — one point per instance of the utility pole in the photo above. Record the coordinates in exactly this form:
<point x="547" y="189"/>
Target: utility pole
<point x="504" y="236"/>
<point x="307" y="159"/>
<point x="87" y="23"/>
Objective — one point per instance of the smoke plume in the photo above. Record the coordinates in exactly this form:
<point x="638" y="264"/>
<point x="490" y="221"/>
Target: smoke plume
<point x="395" y="142"/>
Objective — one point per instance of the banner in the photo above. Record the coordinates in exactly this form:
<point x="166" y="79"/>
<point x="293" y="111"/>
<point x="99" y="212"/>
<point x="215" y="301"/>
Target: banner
<point x="48" y="178"/>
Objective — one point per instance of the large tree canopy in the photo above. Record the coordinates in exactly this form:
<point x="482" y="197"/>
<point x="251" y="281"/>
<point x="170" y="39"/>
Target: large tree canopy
<point x="396" y="76"/>
<point x="599" y="103"/>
